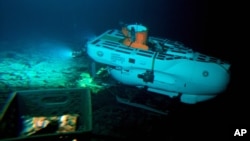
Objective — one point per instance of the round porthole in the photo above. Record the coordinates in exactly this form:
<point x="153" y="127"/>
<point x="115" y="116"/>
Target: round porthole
<point x="205" y="73"/>
<point x="100" y="53"/>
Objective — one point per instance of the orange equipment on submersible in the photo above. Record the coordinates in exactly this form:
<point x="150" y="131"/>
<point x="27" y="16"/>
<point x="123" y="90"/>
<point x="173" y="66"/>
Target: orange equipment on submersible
<point x="135" y="36"/>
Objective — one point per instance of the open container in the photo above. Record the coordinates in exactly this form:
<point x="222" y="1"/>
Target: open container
<point x="51" y="102"/>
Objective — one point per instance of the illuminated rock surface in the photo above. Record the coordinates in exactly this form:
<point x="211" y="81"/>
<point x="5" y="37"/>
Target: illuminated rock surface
<point x="33" y="70"/>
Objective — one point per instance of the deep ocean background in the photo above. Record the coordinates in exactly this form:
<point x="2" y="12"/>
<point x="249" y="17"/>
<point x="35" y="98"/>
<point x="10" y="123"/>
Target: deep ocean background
<point x="200" y="25"/>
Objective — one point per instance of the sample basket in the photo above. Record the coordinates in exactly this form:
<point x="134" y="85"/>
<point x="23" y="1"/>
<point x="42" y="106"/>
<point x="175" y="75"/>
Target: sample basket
<point x="52" y="102"/>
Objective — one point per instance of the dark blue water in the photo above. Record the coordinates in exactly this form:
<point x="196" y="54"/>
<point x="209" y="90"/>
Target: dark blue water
<point x="180" y="20"/>
<point x="199" y="24"/>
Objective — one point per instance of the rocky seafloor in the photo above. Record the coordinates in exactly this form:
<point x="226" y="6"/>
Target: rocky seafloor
<point x="29" y="70"/>
<point x="34" y="71"/>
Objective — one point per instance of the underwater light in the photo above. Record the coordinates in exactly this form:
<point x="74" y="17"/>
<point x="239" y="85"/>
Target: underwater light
<point x="55" y="49"/>
<point x="65" y="53"/>
<point x="61" y="51"/>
